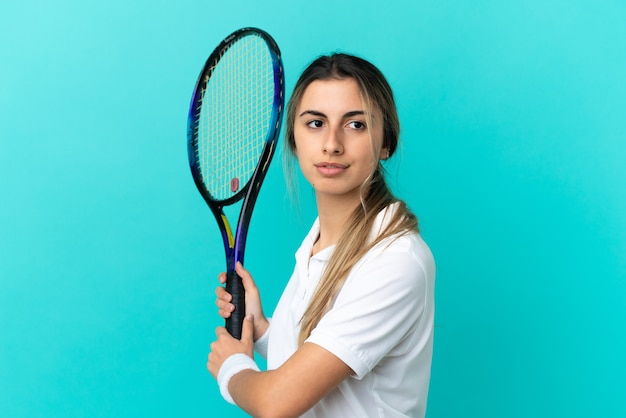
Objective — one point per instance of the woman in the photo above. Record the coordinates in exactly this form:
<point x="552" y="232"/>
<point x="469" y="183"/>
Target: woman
<point x="352" y="333"/>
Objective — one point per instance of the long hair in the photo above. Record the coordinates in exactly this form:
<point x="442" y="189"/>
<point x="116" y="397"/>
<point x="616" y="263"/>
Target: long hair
<point x="355" y="240"/>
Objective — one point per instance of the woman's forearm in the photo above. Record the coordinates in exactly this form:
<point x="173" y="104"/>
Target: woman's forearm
<point x="292" y="389"/>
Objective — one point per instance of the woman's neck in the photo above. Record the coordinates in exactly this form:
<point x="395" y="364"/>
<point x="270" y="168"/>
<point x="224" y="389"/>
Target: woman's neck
<point x="333" y="215"/>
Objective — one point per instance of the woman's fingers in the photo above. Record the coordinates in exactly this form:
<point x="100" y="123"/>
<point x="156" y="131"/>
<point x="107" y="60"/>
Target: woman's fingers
<point x="224" y="307"/>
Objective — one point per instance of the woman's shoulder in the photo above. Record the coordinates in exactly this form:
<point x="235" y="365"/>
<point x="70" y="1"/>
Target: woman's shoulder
<point x="411" y="244"/>
<point x="408" y="248"/>
<point x="402" y="264"/>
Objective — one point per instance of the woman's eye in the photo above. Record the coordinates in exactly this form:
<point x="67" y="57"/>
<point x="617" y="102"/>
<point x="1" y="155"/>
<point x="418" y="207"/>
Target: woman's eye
<point x="315" y="124"/>
<point x="358" y="125"/>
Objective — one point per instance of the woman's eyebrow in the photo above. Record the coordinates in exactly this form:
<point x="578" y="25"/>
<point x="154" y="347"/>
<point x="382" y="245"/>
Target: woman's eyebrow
<point x="320" y="114"/>
<point x="313" y="113"/>
<point x="354" y="113"/>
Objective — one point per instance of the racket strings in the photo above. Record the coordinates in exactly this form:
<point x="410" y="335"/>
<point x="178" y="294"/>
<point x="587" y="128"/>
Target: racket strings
<point x="235" y="116"/>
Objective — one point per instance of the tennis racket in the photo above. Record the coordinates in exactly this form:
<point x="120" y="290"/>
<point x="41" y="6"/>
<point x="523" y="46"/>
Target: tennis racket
<point x="233" y="125"/>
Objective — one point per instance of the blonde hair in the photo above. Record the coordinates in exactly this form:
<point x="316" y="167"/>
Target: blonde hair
<point x="355" y="240"/>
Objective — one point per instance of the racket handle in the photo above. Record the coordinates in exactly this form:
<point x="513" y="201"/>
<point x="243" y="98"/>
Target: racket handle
<point x="234" y="286"/>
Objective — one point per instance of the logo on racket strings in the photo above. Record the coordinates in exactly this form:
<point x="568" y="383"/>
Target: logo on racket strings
<point x="234" y="184"/>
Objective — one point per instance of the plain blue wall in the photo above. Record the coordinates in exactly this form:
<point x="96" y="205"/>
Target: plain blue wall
<point x="514" y="147"/>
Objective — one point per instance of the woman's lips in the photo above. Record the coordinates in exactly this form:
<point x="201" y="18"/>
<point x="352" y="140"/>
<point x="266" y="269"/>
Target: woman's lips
<point x="330" y="169"/>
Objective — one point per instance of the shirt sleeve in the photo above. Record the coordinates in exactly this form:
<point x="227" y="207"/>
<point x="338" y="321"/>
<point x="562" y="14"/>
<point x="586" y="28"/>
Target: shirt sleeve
<point x="260" y="345"/>
<point x="380" y="303"/>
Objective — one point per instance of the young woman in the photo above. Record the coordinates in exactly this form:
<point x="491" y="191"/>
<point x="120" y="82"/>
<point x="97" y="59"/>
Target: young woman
<point x="352" y="333"/>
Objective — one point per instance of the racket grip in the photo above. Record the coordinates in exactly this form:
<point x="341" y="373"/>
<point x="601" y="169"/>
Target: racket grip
<point x="234" y="286"/>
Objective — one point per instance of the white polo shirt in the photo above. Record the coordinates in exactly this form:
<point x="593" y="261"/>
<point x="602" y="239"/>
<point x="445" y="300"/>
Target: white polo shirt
<point x="380" y="325"/>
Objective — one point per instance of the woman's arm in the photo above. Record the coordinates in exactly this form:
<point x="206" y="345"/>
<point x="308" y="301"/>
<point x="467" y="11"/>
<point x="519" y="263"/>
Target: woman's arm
<point x="292" y="389"/>
<point x="288" y="391"/>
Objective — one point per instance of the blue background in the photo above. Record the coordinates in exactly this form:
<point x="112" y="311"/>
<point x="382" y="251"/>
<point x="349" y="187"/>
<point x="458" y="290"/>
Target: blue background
<point x="513" y="158"/>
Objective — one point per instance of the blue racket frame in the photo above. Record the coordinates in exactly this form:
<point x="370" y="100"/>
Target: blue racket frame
<point x="234" y="244"/>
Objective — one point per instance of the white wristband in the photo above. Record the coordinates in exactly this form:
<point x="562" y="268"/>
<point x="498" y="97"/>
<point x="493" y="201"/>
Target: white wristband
<point x="260" y="345"/>
<point x="231" y="366"/>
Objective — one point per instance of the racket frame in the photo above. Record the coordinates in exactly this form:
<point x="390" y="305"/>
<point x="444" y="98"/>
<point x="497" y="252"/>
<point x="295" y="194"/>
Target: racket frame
<point x="234" y="243"/>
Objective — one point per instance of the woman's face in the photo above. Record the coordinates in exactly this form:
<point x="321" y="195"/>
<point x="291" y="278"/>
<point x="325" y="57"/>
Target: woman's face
<point x="337" y="145"/>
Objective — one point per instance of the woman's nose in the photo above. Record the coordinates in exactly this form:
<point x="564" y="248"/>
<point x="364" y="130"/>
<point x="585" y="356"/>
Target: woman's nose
<point x="332" y="143"/>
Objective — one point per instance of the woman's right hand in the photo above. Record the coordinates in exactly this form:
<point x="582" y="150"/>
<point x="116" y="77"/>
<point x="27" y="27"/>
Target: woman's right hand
<point x="253" y="301"/>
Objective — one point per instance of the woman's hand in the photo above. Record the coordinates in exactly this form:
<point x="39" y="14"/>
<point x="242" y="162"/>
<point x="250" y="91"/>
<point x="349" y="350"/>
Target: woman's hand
<point x="253" y="301"/>
<point x="226" y="345"/>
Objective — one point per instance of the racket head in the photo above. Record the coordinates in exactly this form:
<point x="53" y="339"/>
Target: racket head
<point x="234" y="116"/>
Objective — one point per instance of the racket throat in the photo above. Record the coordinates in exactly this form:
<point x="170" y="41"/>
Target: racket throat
<point x="230" y="238"/>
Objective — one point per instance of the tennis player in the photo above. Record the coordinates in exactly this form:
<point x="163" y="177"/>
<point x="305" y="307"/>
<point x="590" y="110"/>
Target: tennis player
<point x="352" y="335"/>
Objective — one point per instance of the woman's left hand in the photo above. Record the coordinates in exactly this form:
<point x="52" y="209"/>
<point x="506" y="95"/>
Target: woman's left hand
<point x="226" y="345"/>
